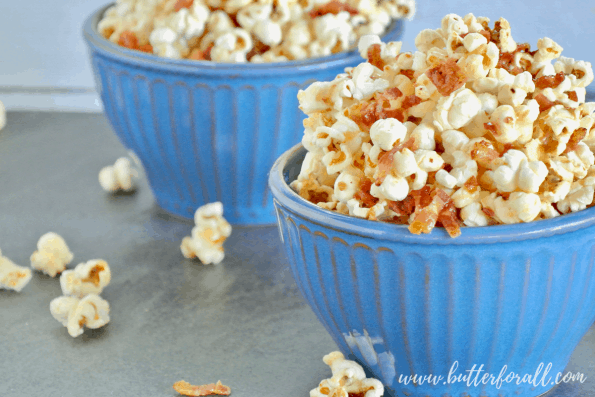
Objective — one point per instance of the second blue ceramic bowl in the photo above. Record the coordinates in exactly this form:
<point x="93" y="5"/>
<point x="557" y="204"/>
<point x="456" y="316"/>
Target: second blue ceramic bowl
<point x="207" y="131"/>
<point x="505" y="299"/>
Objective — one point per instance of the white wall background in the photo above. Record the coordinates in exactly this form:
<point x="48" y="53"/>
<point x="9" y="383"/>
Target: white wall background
<point x="44" y="64"/>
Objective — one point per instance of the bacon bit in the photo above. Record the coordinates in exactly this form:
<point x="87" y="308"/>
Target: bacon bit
<point x="447" y="77"/>
<point x="394" y="114"/>
<point x="549" y="81"/>
<point x="374" y="56"/>
<point x="408" y="73"/>
<point x="484" y="155"/>
<point x="363" y="194"/>
<point x="364" y="114"/>
<point x="385" y="160"/>
<point x="577" y="136"/>
<point x="405" y="207"/>
<point x="390" y="93"/>
<point x="447" y="167"/>
<point x="183" y="4"/>
<point x="422" y="197"/>
<point x="258" y="48"/>
<point x="187" y="389"/>
<point x="426" y="218"/>
<point x="486" y="34"/>
<point x="506" y="62"/>
<point x="491" y="128"/>
<point x="199" y="55"/>
<point x="449" y="219"/>
<point x="128" y="39"/>
<point x="489" y="212"/>
<point x="471" y="184"/>
<point x="146" y="48"/>
<point x="410" y="101"/>
<point x="572" y="96"/>
<point x="414" y="120"/>
<point x="333" y="7"/>
<point x="544" y="103"/>
<point x="578" y="73"/>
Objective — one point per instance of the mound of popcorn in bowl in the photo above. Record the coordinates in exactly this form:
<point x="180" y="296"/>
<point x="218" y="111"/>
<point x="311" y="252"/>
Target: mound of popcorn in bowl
<point x="248" y="30"/>
<point x="472" y="129"/>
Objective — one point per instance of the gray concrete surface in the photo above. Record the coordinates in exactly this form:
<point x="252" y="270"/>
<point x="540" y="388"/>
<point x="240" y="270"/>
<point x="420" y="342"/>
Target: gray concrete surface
<point x="242" y="322"/>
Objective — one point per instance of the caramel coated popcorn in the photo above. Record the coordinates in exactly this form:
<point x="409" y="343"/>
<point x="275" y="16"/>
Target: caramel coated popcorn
<point x="13" y="276"/>
<point x="86" y="278"/>
<point x="92" y="312"/>
<point x="211" y="230"/>
<point x="118" y="177"/>
<point x="472" y="129"/>
<point x="348" y="379"/>
<point x="52" y="254"/>
<point x="248" y="30"/>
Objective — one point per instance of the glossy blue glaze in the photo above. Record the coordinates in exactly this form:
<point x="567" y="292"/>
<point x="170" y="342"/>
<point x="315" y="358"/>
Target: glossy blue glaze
<point x="402" y="304"/>
<point x="205" y="131"/>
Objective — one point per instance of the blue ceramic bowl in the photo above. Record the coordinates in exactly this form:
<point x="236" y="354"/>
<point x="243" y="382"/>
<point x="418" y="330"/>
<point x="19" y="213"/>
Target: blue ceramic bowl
<point x="207" y="131"/>
<point x="402" y="304"/>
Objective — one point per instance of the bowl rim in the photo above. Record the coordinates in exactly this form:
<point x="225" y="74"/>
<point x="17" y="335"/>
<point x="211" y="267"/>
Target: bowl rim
<point x="287" y="198"/>
<point x="100" y="44"/>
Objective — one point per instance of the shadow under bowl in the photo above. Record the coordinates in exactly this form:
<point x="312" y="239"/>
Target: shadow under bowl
<point x="207" y="131"/>
<point x="402" y="305"/>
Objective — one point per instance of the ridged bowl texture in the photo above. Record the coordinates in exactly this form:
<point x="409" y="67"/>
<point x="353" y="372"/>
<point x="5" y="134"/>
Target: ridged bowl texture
<point x="402" y="305"/>
<point x="205" y="131"/>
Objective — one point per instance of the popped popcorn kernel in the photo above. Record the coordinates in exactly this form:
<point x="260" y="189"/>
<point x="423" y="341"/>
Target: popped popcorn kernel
<point x="348" y="379"/>
<point x="52" y="254"/>
<point x="119" y="177"/>
<point x="211" y="230"/>
<point x="13" y="276"/>
<point x="92" y="312"/>
<point x="472" y="129"/>
<point x="86" y="278"/>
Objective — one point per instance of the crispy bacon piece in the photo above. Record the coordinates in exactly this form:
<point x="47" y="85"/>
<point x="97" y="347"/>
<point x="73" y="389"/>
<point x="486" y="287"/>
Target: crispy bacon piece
<point x="426" y="218"/>
<point x="572" y="96"/>
<point x="394" y="114"/>
<point x="363" y="194"/>
<point x="549" y="81"/>
<point x="410" y="101"/>
<point x="128" y="39"/>
<point x="374" y="56"/>
<point x="183" y="4"/>
<point x="484" y="155"/>
<point x="332" y="7"/>
<point x="544" y="103"/>
<point x="486" y="34"/>
<point x="449" y="219"/>
<point x="364" y="114"/>
<point x="471" y="184"/>
<point x="199" y="55"/>
<point x="385" y="160"/>
<point x="577" y="136"/>
<point x="187" y="389"/>
<point x="405" y="207"/>
<point x="489" y="212"/>
<point x="447" y="77"/>
<point x="408" y="73"/>
<point x="258" y="48"/>
<point x="146" y="48"/>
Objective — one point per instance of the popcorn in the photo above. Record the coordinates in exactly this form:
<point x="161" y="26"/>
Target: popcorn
<point x="2" y="115"/>
<point x="186" y="389"/>
<point x="250" y="30"/>
<point x="348" y="379"/>
<point x="211" y="230"/>
<point x="118" y="177"/>
<point x="92" y="311"/>
<point x="86" y="278"/>
<point x="52" y="255"/>
<point x="472" y="129"/>
<point x="12" y="276"/>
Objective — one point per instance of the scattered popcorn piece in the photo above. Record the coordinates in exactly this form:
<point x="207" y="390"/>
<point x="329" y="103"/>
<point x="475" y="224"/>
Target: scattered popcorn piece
<point x="86" y="278"/>
<point x="118" y="177"/>
<point x="2" y="115"/>
<point x="52" y="254"/>
<point x="92" y="311"/>
<point x="211" y="230"/>
<point x="471" y="129"/>
<point x="348" y="379"/>
<point x="186" y="389"/>
<point x="12" y="276"/>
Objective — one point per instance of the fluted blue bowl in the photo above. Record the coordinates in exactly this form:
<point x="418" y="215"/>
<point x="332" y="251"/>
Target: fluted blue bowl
<point x="402" y="305"/>
<point x="207" y="131"/>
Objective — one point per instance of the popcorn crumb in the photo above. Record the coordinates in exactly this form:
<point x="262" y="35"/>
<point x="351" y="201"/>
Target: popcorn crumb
<point x="12" y="276"/>
<point x="52" y="254"/>
<point x="187" y="389"/>
<point x="118" y="177"/>
<point x="211" y="230"/>
<point x="92" y="311"/>
<point x="472" y="129"/>
<point x="86" y="278"/>
<point x="348" y="379"/>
